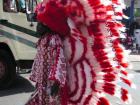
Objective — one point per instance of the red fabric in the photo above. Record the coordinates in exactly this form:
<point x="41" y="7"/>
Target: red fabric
<point x="64" y="95"/>
<point x="49" y="64"/>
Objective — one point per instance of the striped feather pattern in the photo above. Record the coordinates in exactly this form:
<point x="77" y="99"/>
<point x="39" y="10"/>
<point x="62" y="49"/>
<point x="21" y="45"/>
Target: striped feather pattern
<point x="96" y="60"/>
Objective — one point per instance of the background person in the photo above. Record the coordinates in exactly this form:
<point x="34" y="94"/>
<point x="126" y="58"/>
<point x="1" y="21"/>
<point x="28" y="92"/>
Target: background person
<point x="137" y="40"/>
<point x="133" y="26"/>
<point x="129" y="41"/>
<point x="6" y="6"/>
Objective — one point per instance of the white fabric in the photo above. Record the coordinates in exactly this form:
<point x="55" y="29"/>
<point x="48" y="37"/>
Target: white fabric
<point x="137" y="36"/>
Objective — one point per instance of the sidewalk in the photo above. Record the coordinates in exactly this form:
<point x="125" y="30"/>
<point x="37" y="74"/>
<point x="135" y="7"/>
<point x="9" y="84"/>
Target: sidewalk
<point x="134" y="57"/>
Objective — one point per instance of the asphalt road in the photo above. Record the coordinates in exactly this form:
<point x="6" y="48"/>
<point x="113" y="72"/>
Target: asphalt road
<point x="19" y="92"/>
<point x="21" y="88"/>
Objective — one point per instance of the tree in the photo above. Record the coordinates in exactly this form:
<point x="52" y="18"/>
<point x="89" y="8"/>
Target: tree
<point x="136" y="13"/>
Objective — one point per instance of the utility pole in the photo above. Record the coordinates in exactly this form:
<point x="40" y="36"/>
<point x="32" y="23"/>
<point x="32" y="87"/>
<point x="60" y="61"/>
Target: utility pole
<point x="131" y="12"/>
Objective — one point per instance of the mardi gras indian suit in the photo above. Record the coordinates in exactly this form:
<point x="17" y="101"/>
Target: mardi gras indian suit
<point x="49" y="65"/>
<point x="96" y="60"/>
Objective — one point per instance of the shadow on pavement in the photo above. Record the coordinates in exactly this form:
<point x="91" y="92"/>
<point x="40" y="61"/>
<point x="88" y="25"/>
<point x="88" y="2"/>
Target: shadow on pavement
<point x="132" y="53"/>
<point x="138" y="71"/>
<point x="19" y="85"/>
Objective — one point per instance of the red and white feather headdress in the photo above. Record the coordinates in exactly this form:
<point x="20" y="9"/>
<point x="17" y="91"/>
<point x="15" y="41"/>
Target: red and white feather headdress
<point x="96" y="60"/>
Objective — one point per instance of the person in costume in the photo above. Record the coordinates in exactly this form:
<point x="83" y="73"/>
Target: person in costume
<point x="49" y="69"/>
<point x="95" y="59"/>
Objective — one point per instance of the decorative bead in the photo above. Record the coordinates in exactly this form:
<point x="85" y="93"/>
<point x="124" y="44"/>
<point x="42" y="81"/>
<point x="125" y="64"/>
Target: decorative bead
<point x="113" y="50"/>
<point x="119" y="63"/>
<point x="92" y="44"/>
<point x="114" y="59"/>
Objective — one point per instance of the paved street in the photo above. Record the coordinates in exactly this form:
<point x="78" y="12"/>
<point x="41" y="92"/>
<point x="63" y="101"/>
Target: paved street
<point x="21" y="88"/>
<point x="18" y="92"/>
<point x="134" y="92"/>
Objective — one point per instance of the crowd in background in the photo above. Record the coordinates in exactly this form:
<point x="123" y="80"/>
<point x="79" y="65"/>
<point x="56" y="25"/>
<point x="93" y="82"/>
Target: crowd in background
<point x="132" y="37"/>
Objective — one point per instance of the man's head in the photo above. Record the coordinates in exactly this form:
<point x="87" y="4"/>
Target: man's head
<point x="5" y="1"/>
<point x="134" y="21"/>
<point x="42" y="29"/>
<point x="137" y="31"/>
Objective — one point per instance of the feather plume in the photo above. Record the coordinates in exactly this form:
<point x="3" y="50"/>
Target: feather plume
<point x="96" y="60"/>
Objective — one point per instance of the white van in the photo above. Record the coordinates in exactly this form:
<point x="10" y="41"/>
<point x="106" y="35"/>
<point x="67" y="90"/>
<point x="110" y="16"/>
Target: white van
<point x="17" y="40"/>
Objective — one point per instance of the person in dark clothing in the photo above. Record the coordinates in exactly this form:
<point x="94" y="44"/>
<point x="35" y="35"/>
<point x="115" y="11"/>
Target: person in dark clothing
<point x="134" y="25"/>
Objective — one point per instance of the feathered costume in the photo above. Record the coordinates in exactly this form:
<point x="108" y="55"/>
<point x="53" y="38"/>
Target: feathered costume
<point x="96" y="61"/>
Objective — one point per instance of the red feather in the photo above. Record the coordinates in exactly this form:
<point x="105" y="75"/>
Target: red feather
<point x="124" y="96"/>
<point x="103" y="101"/>
<point x="127" y="81"/>
<point x="124" y="72"/>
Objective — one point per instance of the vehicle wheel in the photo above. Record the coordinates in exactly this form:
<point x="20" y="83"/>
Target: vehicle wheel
<point x="7" y="69"/>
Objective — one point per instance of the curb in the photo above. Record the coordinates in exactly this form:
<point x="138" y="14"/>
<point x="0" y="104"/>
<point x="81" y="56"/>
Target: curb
<point x="134" y="57"/>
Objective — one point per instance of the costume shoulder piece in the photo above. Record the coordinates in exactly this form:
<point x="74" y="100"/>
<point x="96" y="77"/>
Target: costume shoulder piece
<point x="96" y="59"/>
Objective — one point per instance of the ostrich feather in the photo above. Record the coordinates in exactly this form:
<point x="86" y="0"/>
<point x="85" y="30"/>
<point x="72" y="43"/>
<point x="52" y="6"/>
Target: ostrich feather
<point x="96" y="60"/>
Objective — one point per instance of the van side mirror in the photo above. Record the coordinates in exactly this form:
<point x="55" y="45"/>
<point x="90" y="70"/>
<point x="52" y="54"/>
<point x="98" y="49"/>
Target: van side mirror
<point x="32" y="17"/>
